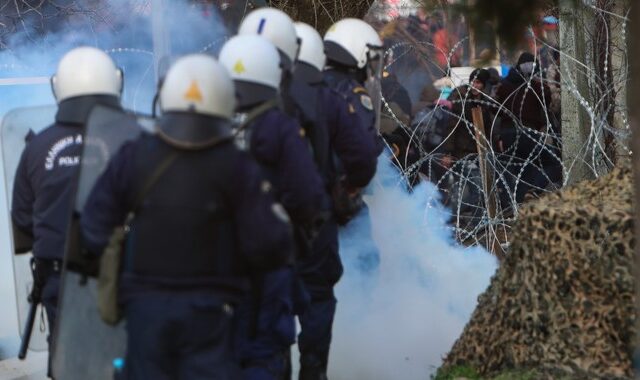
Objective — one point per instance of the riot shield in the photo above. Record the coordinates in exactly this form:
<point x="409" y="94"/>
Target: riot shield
<point x="18" y="126"/>
<point x="84" y="346"/>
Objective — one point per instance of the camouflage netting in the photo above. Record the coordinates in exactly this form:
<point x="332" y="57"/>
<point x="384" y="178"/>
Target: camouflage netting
<point x="563" y="299"/>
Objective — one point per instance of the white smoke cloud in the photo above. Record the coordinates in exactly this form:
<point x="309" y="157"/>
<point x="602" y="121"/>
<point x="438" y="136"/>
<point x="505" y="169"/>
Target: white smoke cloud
<point x="125" y="29"/>
<point x="398" y="322"/>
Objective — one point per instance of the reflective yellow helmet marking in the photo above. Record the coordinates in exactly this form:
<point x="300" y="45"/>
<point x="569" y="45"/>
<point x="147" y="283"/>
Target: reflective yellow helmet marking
<point x="239" y="68"/>
<point x="193" y="94"/>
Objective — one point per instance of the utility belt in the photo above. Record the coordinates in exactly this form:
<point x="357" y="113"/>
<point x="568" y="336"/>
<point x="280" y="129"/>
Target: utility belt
<point x="48" y="266"/>
<point x="42" y="269"/>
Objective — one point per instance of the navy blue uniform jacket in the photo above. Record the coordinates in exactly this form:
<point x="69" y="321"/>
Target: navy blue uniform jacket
<point x="358" y="97"/>
<point x="349" y="138"/>
<point x="260" y="228"/>
<point x="44" y="186"/>
<point x="277" y="142"/>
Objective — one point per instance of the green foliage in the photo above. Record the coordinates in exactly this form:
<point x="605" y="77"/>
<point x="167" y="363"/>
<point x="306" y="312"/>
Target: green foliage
<point x="456" y="372"/>
<point x="517" y="375"/>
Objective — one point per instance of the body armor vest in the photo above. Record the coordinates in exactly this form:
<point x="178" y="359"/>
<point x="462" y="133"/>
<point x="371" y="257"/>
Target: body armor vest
<point x="184" y="228"/>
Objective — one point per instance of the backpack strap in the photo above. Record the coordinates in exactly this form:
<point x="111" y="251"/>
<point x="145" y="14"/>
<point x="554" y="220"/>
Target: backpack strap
<point x="256" y="112"/>
<point x="148" y="184"/>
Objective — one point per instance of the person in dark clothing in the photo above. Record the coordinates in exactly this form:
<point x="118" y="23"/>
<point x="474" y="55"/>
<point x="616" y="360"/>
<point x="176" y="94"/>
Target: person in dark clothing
<point x="394" y="92"/>
<point x="528" y="105"/>
<point x="431" y="128"/>
<point x="278" y="143"/>
<point x="525" y="100"/>
<point x="462" y="146"/>
<point x="348" y="164"/>
<point x="493" y="82"/>
<point x="407" y="155"/>
<point x="349" y="67"/>
<point x="328" y="122"/>
<point x="45" y="180"/>
<point x="398" y="107"/>
<point x="207" y="222"/>
<point x="350" y="62"/>
<point x="463" y="99"/>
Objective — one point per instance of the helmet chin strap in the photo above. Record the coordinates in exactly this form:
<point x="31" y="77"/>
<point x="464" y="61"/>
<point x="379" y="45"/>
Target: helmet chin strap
<point x="298" y="47"/>
<point x="156" y="98"/>
<point x="120" y="74"/>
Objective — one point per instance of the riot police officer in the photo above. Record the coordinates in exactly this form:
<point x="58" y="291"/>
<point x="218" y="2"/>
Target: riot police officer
<point x="45" y="180"/>
<point x="277" y="142"/>
<point x="277" y="27"/>
<point x="201" y="217"/>
<point x="348" y="163"/>
<point x="353" y="51"/>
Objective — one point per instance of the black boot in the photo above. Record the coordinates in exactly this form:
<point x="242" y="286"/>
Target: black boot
<point x="312" y="373"/>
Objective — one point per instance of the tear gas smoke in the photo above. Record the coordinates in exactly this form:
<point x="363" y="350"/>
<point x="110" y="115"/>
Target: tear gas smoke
<point x="397" y="321"/>
<point x="134" y="33"/>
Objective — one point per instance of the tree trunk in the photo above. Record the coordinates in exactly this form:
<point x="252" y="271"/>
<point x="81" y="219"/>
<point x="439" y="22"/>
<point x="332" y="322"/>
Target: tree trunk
<point x="620" y="62"/>
<point x="576" y="123"/>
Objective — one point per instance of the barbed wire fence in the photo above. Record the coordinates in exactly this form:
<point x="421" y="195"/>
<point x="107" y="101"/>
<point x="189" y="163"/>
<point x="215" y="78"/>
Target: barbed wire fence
<point x="540" y="160"/>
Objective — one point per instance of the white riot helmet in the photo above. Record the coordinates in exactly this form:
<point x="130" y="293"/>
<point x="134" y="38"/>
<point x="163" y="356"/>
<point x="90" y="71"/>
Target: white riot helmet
<point x="86" y="71"/>
<point x="276" y="26"/>
<point x="311" y="46"/>
<point x="255" y="67"/>
<point x="198" y="84"/>
<point x="197" y="102"/>
<point x="352" y="42"/>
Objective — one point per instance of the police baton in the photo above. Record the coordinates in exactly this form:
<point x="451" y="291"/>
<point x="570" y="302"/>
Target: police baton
<point x="34" y="300"/>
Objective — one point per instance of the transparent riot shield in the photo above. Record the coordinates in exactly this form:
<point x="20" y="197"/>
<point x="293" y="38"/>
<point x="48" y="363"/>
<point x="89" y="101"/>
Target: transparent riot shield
<point x="84" y="346"/>
<point x="18" y="126"/>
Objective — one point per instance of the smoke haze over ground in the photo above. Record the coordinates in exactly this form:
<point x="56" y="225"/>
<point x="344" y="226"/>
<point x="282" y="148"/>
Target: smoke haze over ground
<point x="125" y="29"/>
<point x="398" y="322"/>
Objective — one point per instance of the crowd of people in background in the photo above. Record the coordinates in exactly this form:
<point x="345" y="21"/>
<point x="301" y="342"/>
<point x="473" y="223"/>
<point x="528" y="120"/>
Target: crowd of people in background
<point x="431" y="129"/>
